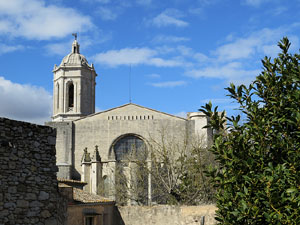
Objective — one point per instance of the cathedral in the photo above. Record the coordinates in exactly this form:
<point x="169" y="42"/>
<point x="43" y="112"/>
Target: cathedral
<point x="90" y="146"/>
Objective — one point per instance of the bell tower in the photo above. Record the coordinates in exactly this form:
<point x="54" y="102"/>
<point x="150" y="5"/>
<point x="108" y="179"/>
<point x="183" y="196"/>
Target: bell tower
<point x="74" y="86"/>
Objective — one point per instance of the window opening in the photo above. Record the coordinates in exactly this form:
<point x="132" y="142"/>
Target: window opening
<point x="128" y="146"/>
<point x="89" y="220"/>
<point x="71" y="95"/>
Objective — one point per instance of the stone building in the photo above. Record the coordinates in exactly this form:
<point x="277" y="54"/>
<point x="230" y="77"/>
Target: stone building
<point x="85" y="208"/>
<point x="90" y="146"/>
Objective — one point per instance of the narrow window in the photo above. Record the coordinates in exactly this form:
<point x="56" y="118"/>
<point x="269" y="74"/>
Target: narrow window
<point x="89" y="220"/>
<point x="71" y="95"/>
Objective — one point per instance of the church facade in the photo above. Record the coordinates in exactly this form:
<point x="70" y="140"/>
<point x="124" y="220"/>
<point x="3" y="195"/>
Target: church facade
<point x="90" y="145"/>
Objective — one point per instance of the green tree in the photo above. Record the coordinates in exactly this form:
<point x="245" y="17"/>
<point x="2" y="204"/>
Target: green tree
<point x="258" y="179"/>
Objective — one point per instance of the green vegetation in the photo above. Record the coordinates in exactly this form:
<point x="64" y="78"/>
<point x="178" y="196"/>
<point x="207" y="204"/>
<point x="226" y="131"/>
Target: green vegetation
<point x="258" y="179"/>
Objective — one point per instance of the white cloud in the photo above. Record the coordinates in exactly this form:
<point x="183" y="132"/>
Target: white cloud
<point x="200" y="57"/>
<point x="153" y="75"/>
<point x="135" y="56"/>
<point x="144" y="2"/>
<point x="242" y="48"/>
<point x="173" y="39"/>
<point x="106" y="13"/>
<point x="255" y="2"/>
<point x="85" y="41"/>
<point x="169" y="84"/>
<point x="125" y="56"/>
<point x="278" y="11"/>
<point x="24" y="102"/>
<point x="237" y="60"/>
<point x="259" y="42"/>
<point x="170" y="17"/>
<point x="97" y="1"/>
<point x="232" y="72"/>
<point x="35" y="19"/>
<point x="102" y="1"/>
<point x="9" y="48"/>
<point x="196" y="11"/>
<point x="61" y="49"/>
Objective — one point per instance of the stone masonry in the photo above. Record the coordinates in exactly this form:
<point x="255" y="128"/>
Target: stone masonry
<point x="29" y="191"/>
<point x="167" y="215"/>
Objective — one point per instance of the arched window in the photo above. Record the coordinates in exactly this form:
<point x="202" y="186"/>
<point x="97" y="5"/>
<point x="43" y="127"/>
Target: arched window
<point x="71" y="95"/>
<point x="130" y="147"/>
<point x="131" y="177"/>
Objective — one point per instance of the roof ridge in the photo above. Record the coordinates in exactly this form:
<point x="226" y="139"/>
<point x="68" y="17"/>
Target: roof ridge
<point x="121" y="106"/>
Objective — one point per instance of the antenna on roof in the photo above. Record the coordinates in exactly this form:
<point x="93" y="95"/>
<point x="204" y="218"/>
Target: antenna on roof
<point x="75" y="35"/>
<point x="130" y="84"/>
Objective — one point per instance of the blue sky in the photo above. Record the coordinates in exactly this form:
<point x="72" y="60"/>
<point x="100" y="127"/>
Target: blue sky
<point x="182" y="53"/>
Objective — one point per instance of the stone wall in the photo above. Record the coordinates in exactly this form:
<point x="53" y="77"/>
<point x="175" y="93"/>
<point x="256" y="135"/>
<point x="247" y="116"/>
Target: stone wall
<point x="63" y="148"/>
<point x="101" y="212"/>
<point x="29" y="191"/>
<point x="166" y="215"/>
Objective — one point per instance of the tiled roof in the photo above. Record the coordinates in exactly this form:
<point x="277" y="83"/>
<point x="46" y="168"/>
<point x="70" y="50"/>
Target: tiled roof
<point x="63" y="185"/>
<point x="85" y="197"/>
<point x="71" y="181"/>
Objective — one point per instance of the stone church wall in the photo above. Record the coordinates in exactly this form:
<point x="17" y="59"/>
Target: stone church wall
<point x="166" y="215"/>
<point x="103" y="130"/>
<point x="29" y="191"/>
<point x="63" y="148"/>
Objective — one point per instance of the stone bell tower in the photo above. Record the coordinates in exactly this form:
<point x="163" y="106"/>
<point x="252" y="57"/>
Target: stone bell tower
<point x="74" y="86"/>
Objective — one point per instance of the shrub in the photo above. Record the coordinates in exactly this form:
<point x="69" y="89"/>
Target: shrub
<point x="258" y="179"/>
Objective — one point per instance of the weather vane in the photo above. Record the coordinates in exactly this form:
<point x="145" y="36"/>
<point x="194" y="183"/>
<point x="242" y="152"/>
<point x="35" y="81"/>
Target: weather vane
<point x="75" y="35"/>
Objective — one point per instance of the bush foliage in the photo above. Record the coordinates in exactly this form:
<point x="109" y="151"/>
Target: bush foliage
<point x="258" y="179"/>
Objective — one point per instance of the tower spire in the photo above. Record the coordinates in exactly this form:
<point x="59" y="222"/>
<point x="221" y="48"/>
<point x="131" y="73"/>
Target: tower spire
<point x="75" y="36"/>
<point x="75" y="45"/>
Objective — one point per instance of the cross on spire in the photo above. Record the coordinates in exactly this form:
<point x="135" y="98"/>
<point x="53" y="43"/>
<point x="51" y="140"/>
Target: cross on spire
<point x="75" y="35"/>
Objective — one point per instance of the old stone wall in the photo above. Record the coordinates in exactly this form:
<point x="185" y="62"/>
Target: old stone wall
<point x="166" y="215"/>
<point x="63" y="148"/>
<point x="29" y="191"/>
